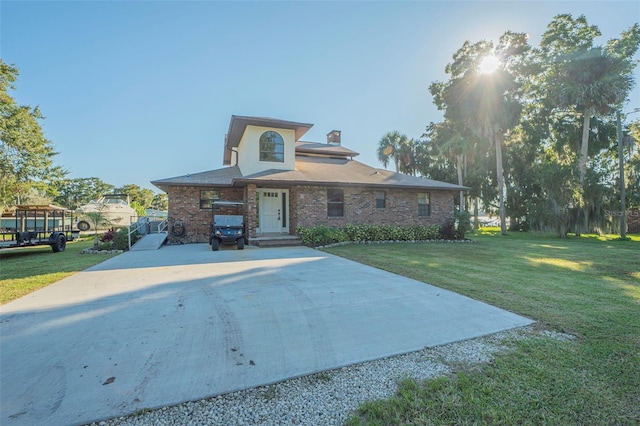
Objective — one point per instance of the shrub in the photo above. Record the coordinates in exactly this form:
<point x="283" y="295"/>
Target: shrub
<point x="108" y="245"/>
<point x="107" y="236"/>
<point x="322" y="234"/>
<point x="121" y="241"/>
<point x="454" y="228"/>
<point x="519" y="226"/>
<point x="448" y="229"/>
<point x="356" y="233"/>
<point x="463" y="221"/>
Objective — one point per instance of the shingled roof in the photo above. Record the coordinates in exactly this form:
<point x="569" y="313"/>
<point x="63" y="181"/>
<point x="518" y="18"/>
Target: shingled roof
<point x="324" y="149"/>
<point x="310" y="171"/>
<point x="344" y="172"/>
<point x="315" y="164"/>
<point x="219" y="177"/>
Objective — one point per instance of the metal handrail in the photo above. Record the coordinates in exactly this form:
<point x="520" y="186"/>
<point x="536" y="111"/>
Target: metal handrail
<point x="162" y="226"/>
<point x="140" y="224"/>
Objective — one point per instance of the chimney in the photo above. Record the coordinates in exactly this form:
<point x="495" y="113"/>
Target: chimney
<point x="333" y="137"/>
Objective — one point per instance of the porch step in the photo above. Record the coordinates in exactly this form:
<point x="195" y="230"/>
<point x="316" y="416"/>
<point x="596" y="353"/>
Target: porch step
<point x="276" y="241"/>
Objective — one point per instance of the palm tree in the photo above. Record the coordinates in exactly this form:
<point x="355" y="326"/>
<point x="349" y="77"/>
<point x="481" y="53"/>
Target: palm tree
<point x="455" y="146"/>
<point x="590" y="81"/>
<point x="593" y="83"/>
<point x="97" y="219"/>
<point x="408" y="153"/>
<point x="489" y="114"/>
<point x="486" y="104"/>
<point x="390" y="147"/>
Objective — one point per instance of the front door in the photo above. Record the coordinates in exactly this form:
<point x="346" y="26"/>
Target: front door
<point x="272" y="211"/>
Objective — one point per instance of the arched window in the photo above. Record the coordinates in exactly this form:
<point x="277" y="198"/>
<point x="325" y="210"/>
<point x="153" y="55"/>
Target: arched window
<point x="271" y="147"/>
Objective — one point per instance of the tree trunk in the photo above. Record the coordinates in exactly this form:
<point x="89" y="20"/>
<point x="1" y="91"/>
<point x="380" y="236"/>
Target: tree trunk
<point x="560" y="219"/>
<point x="475" y="214"/>
<point x="582" y="214"/>
<point x="584" y="148"/>
<point x="497" y="139"/>
<point x="459" y="167"/>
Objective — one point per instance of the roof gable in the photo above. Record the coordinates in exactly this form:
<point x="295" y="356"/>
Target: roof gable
<point x="239" y="123"/>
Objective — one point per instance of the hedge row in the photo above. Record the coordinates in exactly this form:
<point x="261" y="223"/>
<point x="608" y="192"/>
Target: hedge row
<point x="322" y="235"/>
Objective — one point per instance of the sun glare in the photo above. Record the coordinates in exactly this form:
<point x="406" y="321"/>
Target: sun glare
<point x="489" y="64"/>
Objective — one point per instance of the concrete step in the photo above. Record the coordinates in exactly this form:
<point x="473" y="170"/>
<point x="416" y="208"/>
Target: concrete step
<point x="276" y="241"/>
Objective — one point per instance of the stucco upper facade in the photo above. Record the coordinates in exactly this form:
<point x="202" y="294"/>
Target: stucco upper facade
<point x="248" y="156"/>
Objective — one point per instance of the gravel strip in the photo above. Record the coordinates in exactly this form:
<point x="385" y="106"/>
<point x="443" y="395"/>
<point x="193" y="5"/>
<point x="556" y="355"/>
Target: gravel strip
<point x="329" y="397"/>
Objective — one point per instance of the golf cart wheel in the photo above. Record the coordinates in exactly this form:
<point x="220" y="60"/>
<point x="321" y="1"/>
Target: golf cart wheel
<point x="241" y="244"/>
<point x="60" y="244"/>
<point x="83" y="225"/>
<point x="215" y="244"/>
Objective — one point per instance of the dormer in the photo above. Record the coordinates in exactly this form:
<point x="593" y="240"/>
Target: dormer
<point x="256" y="144"/>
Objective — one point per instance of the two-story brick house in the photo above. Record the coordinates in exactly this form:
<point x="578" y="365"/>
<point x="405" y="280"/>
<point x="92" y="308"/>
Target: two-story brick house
<point x="287" y="183"/>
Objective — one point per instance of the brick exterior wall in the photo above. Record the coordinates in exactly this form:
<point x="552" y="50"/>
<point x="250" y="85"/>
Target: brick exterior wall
<point x="184" y="205"/>
<point x="308" y="207"/>
<point x="251" y="209"/>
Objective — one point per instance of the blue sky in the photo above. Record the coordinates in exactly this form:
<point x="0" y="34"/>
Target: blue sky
<point x="137" y="91"/>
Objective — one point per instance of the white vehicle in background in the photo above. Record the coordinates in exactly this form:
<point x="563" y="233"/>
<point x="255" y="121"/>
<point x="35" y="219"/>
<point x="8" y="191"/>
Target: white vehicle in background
<point x="115" y="210"/>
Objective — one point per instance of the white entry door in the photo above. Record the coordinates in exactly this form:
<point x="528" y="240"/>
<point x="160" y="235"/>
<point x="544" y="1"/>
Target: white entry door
<point x="272" y="205"/>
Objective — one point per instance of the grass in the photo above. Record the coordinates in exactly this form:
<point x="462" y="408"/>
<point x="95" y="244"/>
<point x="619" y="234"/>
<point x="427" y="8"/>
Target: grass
<point x="26" y="270"/>
<point x="587" y="286"/>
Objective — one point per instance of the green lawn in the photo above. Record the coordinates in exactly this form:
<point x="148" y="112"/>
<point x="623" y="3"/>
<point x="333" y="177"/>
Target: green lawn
<point x="588" y="286"/>
<point x="25" y="270"/>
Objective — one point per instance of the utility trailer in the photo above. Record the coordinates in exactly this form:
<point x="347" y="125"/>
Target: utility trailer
<point x="37" y="225"/>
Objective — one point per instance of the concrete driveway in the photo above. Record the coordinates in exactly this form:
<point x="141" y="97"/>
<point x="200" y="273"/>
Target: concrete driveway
<point x="153" y="328"/>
